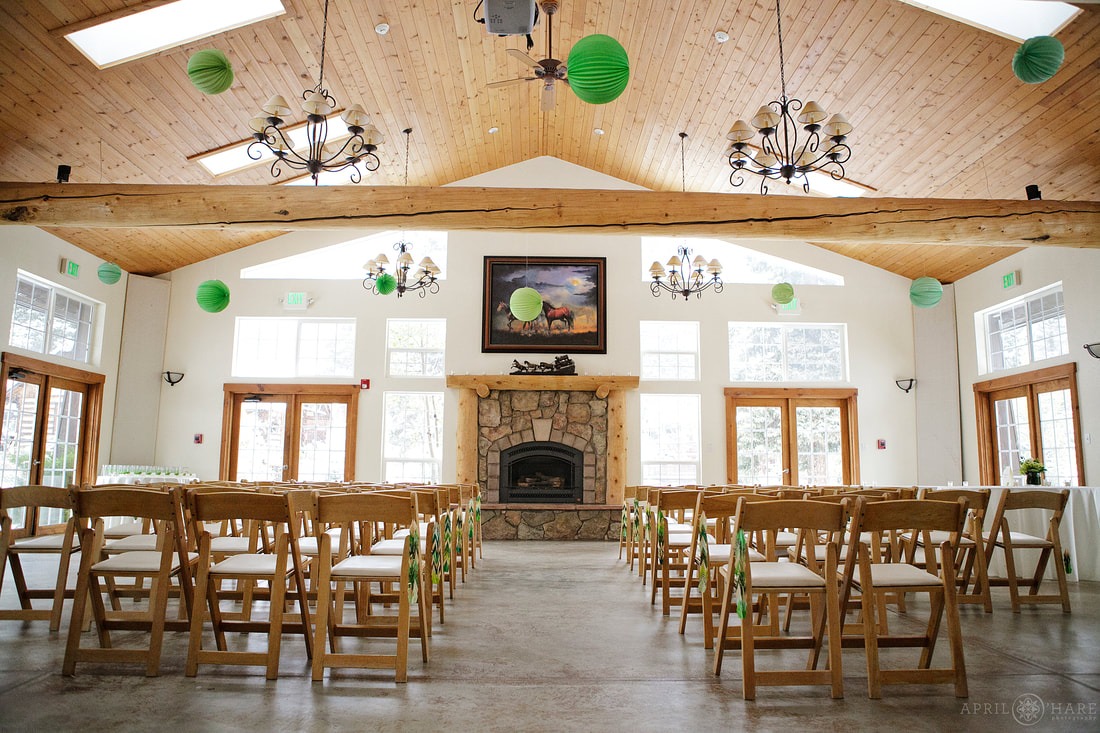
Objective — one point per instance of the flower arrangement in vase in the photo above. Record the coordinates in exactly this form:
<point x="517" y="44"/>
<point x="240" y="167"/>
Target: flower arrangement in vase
<point x="1032" y="468"/>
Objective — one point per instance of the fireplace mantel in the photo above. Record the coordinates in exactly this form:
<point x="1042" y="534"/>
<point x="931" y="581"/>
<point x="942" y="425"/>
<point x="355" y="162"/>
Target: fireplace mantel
<point x="609" y="387"/>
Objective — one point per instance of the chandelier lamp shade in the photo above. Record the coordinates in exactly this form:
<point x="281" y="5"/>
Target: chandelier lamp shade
<point x="316" y="154"/>
<point x="796" y="138"/>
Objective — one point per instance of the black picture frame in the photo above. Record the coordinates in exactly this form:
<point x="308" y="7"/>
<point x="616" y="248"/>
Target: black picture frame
<point x="574" y="291"/>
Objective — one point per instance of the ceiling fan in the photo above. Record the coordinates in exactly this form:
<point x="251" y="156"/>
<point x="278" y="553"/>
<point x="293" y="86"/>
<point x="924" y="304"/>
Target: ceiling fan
<point x="549" y="70"/>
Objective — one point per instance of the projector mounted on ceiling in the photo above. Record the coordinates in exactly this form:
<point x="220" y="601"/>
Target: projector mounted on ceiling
<point x="510" y="17"/>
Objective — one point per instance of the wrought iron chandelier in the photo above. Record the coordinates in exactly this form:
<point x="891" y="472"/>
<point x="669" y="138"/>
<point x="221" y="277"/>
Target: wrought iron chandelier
<point x="781" y="154"/>
<point x="383" y="283"/>
<point x="310" y="152"/>
<point x="685" y="276"/>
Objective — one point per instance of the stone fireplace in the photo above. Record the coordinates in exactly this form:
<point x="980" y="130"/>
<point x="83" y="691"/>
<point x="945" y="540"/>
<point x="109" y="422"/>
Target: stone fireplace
<point x="568" y="435"/>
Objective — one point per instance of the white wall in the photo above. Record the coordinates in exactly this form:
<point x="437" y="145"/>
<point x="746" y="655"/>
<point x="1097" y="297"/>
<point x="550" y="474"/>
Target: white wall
<point x="39" y="253"/>
<point x="939" y="425"/>
<point x="874" y="304"/>
<point x="1079" y="272"/>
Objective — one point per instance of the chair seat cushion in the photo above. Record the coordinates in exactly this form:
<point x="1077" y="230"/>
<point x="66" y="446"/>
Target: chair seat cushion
<point x="394" y="547"/>
<point x="369" y="566"/>
<point x="134" y="542"/>
<point x="229" y="545"/>
<point x="939" y="536"/>
<point x="898" y="574"/>
<point x="41" y="543"/>
<point x="786" y="539"/>
<point x="1020" y="539"/>
<point x="138" y="561"/>
<point x="124" y="529"/>
<point x="780" y="575"/>
<point x="249" y="564"/>
<point x="308" y="545"/>
<point x="405" y="533"/>
<point x="720" y="554"/>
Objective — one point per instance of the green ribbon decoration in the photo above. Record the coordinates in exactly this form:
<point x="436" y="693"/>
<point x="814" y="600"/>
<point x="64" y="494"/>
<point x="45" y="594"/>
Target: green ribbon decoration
<point x="436" y="554"/>
<point x="458" y="533"/>
<point x="477" y="508"/>
<point x="471" y="512"/>
<point x="447" y="543"/>
<point x="414" y="563"/>
<point x="636" y="520"/>
<point x="661" y="537"/>
<point x="740" y="562"/>
<point x="702" y="554"/>
<point x="623" y="520"/>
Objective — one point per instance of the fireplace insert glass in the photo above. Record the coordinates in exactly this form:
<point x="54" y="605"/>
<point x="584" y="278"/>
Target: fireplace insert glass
<point x="542" y="472"/>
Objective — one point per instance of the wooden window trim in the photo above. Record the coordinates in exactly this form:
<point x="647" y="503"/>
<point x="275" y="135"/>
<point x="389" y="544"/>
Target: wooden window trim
<point x="1033" y="383"/>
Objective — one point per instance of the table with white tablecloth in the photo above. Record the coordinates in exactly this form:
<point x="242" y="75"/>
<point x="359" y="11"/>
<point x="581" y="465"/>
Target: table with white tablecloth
<point x="147" y="478"/>
<point x="1079" y="532"/>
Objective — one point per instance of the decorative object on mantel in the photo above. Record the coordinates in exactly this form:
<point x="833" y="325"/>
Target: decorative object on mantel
<point x="318" y="104"/>
<point x="562" y="365"/>
<point x="212" y="296"/>
<point x="780" y="154"/>
<point x="572" y="290"/>
<point x="383" y="283"/>
<point x="925" y="292"/>
<point x="684" y="277"/>
<point x="1038" y="59"/>
<point x="210" y="71"/>
<point x="1032" y="468"/>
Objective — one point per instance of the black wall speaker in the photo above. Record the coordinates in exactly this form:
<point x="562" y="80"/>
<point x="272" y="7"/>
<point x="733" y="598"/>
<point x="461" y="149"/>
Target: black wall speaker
<point x="63" y="172"/>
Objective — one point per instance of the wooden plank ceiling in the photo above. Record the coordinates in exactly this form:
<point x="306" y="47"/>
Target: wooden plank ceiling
<point x="936" y="109"/>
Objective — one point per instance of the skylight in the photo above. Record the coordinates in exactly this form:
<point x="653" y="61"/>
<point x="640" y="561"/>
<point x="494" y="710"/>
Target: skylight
<point x="825" y="185"/>
<point x="166" y="26"/>
<point x="1015" y="19"/>
<point x="739" y="264"/>
<point x="344" y="261"/>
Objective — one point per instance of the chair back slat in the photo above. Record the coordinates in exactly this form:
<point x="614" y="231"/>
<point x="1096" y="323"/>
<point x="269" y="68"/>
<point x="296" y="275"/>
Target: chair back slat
<point x="130" y="501"/>
<point x="220" y="505"/>
<point x="13" y="497"/>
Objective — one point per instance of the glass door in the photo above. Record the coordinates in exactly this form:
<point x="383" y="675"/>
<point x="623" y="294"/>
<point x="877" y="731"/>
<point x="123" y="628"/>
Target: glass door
<point x="261" y="440"/>
<point x="760" y="454"/>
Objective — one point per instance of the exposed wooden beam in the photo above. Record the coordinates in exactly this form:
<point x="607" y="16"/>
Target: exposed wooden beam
<point x="871" y="221"/>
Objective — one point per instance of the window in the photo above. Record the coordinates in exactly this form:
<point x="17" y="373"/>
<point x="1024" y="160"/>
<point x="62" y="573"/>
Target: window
<point x="294" y="347"/>
<point x="670" y="439"/>
<point x="344" y="261"/>
<point x="415" y="347"/>
<point x="1024" y="330"/>
<point x="788" y="352"/>
<point x="1030" y="415"/>
<point x="739" y="264"/>
<point x="670" y="350"/>
<point x="48" y="319"/>
<point x="412" y="441"/>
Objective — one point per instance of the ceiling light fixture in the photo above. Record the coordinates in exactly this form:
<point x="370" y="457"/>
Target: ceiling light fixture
<point x="721" y="36"/>
<point x="598" y="131"/>
<point x="494" y="130"/>
<point x="381" y="282"/>
<point x="685" y="276"/>
<point x="780" y="154"/>
<point x="318" y="104"/>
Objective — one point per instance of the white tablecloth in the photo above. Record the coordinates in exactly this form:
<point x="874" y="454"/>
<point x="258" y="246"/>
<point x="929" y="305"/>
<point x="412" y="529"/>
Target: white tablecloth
<point x="147" y="478"/>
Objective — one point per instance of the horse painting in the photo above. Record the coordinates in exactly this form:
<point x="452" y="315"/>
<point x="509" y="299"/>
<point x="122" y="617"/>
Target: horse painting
<point x="502" y="307"/>
<point x="552" y="314"/>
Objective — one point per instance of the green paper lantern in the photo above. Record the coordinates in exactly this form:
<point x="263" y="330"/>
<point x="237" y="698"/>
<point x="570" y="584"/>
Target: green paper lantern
<point x="525" y="304"/>
<point x="210" y="71"/>
<point x="109" y="273"/>
<point x="1037" y="59"/>
<point x="598" y="69"/>
<point x="385" y="284"/>
<point x="925" y="292"/>
<point x="212" y="296"/>
<point x="783" y="293"/>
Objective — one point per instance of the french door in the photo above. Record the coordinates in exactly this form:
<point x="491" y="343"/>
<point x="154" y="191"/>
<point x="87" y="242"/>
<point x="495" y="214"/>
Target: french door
<point x="289" y="432"/>
<point x="49" y="432"/>
<point x="1030" y="415"/>
<point x="791" y="437"/>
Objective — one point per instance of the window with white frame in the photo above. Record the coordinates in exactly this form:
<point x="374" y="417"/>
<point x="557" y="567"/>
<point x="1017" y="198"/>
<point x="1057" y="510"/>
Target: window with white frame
<point x="294" y="347"/>
<point x="415" y="347"/>
<point x="670" y="350"/>
<point x="788" y="352"/>
<point x="49" y="319"/>
<point x="670" y="439"/>
<point x="412" y="437"/>
<point x="1024" y="330"/>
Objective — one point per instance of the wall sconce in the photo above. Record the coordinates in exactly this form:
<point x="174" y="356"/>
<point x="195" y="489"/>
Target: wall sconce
<point x="905" y="384"/>
<point x="173" y="378"/>
<point x="1093" y="349"/>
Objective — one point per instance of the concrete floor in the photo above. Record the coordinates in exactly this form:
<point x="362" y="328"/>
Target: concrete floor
<point x="557" y="636"/>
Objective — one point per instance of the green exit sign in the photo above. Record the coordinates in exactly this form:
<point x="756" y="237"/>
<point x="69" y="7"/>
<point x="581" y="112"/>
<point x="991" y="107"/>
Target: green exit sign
<point x="70" y="268"/>
<point x="296" y="301"/>
<point x="1010" y="279"/>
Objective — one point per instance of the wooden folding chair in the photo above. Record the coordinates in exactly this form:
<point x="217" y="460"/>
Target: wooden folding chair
<point x="279" y="565"/>
<point x="26" y="529"/>
<point x="167" y="561"/>
<point x="970" y="564"/>
<point x="1003" y="537"/>
<point x="743" y="578"/>
<point x="361" y="570"/>
<point x="671" y="539"/>
<point x="881" y="570"/>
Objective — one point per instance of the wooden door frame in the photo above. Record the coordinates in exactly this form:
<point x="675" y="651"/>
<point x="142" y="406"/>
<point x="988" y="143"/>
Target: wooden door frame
<point x="295" y="394"/>
<point x="91" y="415"/>
<point x="790" y="398"/>
<point x="1031" y="382"/>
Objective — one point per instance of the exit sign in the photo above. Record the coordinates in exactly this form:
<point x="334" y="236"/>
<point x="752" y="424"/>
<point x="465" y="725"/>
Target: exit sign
<point x="296" y="301"/>
<point x="70" y="268"/>
<point x="1010" y="279"/>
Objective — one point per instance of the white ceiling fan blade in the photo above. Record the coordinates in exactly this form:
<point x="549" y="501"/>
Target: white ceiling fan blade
<point x="521" y="56"/>
<point x="507" y="82"/>
<point x="548" y="96"/>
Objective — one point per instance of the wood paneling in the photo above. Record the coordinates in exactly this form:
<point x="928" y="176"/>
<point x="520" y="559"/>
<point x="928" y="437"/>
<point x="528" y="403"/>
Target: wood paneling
<point x="936" y="109"/>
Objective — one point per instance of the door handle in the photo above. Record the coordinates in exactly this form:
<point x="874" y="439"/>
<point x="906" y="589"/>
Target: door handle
<point x="36" y="463"/>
